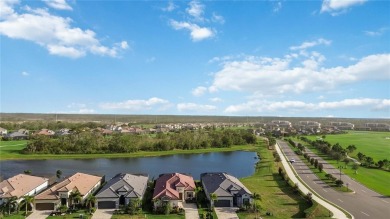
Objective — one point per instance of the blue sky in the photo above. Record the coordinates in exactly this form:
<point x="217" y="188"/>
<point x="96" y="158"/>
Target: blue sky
<point x="247" y="58"/>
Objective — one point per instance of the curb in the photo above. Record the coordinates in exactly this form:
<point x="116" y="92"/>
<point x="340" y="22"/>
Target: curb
<point x="310" y="189"/>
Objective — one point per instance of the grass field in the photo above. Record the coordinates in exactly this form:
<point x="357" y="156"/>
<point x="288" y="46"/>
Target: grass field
<point x="375" y="179"/>
<point x="276" y="196"/>
<point x="373" y="144"/>
<point x="10" y="150"/>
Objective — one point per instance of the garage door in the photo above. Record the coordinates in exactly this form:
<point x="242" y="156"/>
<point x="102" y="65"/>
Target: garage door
<point x="106" y="205"/>
<point x="44" y="206"/>
<point x="222" y="203"/>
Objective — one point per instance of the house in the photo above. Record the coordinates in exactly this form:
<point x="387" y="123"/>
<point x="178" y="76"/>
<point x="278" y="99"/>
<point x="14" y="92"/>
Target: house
<point x="3" y="131"/>
<point x="16" y="136"/>
<point x="59" y="194"/>
<point x="22" y="185"/>
<point x="45" y="132"/>
<point x="230" y="192"/>
<point x="121" y="189"/>
<point x="173" y="189"/>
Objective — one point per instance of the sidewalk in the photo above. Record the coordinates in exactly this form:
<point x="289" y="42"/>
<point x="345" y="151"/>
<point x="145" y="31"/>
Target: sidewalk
<point x="303" y="187"/>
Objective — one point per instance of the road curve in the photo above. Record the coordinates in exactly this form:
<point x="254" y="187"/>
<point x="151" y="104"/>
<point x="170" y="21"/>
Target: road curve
<point x="364" y="203"/>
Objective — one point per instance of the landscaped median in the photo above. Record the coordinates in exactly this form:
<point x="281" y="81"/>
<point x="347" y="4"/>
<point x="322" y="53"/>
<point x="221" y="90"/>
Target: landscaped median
<point x="337" y="211"/>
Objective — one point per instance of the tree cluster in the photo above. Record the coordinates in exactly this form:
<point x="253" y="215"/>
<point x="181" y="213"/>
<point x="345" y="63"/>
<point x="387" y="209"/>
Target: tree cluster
<point x="95" y="142"/>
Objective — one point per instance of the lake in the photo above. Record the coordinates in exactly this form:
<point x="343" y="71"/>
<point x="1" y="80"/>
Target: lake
<point x="237" y="163"/>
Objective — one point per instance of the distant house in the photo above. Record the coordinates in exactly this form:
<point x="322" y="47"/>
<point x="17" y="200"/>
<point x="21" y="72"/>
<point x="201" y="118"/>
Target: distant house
<point x="45" y="132"/>
<point x="21" y="185"/>
<point x="59" y="194"/>
<point x="229" y="190"/>
<point x="173" y="189"/>
<point x="121" y="190"/>
<point x="3" y="131"/>
<point x="16" y="136"/>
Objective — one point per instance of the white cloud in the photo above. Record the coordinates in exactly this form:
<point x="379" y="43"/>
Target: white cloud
<point x="196" y="10"/>
<point x="277" y="6"/>
<point x="336" y="7"/>
<point x="295" y="73"/>
<point x="306" y="45"/>
<point x="6" y="8"/>
<point x="216" y="99"/>
<point x="170" y="7"/>
<point x="378" y="32"/>
<point x="197" y="33"/>
<point x="53" y="32"/>
<point x="86" y="111"/>
<point x="58" y="4"/>
<point x="265" y="106"/>
<point x="136" y="105"/>
<point x="199" y="91"/>
<point x="193" y="107"/>
<point x="25" y="74"/>
<point x="218" y="18"/>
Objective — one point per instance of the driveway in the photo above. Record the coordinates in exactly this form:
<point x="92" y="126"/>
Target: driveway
<point x="103" y="213"/>
<point x="39" y="214"/>
<point x="191" y="211"/>
<point x="226" y="213"/>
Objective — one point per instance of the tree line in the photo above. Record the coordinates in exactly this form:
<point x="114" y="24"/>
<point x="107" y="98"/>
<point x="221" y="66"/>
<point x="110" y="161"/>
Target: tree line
<point x="337" y="152"/>
<point x="95" y="142"/>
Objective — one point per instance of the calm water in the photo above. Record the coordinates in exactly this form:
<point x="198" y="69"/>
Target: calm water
<point x="238" y="163"/>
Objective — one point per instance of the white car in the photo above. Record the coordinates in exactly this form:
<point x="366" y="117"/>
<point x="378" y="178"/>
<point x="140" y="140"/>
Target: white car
<point x="292" y="160"/>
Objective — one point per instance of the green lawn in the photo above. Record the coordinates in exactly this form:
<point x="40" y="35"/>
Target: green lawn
<point x="373" y="144"/>
<point x="375" y="179"/>
<point x="276" y="196"/>
<point x="10" y="150"/>
<point x="149" y="216"/>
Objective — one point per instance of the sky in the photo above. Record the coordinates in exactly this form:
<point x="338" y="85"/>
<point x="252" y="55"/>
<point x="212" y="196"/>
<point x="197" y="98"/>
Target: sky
<point x="318" y="58"/>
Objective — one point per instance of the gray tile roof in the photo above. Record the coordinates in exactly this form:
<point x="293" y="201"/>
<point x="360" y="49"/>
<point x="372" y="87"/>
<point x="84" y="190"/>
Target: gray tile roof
<point x="130" y="185"/>
<point x="223" y="184"/>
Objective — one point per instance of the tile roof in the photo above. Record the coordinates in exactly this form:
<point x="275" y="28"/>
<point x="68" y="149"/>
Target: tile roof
<point x="132" y="185"/>
<point x="223" y="184"/>
<point x="166" y="185"/>
<point x="20" y="185"/>
<point x="79" y="181"/>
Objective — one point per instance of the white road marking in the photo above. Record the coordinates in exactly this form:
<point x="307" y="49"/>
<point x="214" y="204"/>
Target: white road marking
<point x="340" y="200"/>
<point x="365" y="213"/>
<point x="324" y="190"/>
<point x="307" y="176"/>
<point x="364" y="191"/>
<point x="385" y="201"/>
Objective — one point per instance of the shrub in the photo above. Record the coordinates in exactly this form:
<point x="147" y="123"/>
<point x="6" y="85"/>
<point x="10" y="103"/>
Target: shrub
<point x="339" y="183"/>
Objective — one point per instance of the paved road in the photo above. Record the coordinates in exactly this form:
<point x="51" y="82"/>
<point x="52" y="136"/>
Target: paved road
<point x="365" y="203"/>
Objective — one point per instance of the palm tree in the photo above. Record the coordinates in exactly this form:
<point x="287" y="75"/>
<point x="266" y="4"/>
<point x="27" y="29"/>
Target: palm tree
<point x="213" y="198"/>
<point x="28" y="200"/>
<point x="197" y="191"/>
<point x="75" y="197"/>
<point x="11" y="204"/>
<point x="59" y="174"/>
<point x="90" y="201"/>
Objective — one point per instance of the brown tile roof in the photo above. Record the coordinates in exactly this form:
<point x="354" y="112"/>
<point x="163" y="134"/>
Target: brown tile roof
<point x="166" y="185"/>
<point x="20" y="185"/>
<point x="79" y="181"/>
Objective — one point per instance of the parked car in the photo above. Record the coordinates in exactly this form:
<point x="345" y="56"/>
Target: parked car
<point x="292" y="160"/>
